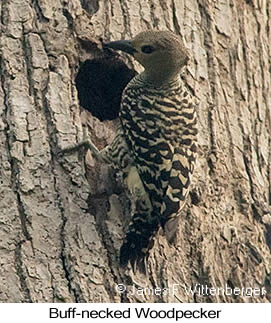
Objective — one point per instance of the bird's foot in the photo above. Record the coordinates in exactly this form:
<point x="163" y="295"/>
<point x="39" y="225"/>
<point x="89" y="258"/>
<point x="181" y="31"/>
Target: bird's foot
<point x="85" y="144"/>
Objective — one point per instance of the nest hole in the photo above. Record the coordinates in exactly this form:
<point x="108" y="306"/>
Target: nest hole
<point x="100" y="83"/>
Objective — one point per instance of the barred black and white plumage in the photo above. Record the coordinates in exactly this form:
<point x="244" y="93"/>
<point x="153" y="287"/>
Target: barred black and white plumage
<point x="158" y="121"/>
<point x="156" y="143"/>
<point x="160" y="129"/>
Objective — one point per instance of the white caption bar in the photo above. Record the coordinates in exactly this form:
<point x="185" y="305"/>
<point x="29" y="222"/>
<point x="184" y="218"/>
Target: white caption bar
<point x="144" y="312"/>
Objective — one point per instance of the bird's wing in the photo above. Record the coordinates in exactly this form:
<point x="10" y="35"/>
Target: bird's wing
<point x="164" y="167"/>
<point x="153" y="133"/>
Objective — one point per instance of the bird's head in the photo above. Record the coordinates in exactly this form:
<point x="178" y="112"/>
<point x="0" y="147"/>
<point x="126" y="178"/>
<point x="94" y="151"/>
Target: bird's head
<point x="162" y="53"/>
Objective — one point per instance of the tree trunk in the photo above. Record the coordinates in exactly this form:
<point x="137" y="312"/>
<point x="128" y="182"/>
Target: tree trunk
<point x="63" y="219"/>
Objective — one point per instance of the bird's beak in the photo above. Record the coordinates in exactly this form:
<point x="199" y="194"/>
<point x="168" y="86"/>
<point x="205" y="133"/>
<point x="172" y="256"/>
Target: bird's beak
<point x="123" y="45"/>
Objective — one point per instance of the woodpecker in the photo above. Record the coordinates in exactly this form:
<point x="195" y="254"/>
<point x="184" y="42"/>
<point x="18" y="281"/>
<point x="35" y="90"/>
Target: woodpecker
<point x="157" y="140"/>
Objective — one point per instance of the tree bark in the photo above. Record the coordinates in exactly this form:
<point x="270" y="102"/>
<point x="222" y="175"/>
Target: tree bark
<point x="63" y="219"/>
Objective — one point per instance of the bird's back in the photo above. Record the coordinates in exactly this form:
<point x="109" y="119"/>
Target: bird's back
<point x="160" y="129"/>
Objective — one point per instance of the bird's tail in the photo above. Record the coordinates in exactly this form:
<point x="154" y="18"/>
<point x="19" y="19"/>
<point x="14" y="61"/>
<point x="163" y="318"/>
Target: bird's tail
<point x="139" y="240"/>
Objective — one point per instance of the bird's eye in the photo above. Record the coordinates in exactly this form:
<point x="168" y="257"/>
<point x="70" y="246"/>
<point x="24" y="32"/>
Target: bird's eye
<point x="147" y="49"/>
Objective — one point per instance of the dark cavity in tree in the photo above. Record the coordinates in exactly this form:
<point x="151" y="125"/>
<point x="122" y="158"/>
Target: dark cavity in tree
<point x="100" y="83"/>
